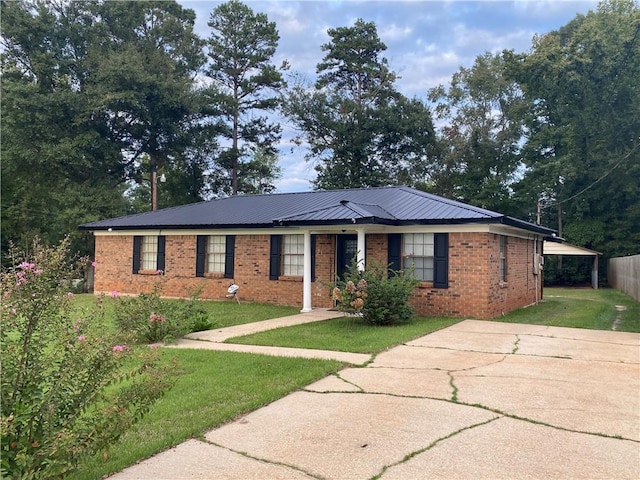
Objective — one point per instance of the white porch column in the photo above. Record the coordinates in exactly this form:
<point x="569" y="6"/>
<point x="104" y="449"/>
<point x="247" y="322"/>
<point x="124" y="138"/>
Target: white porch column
<point x="361" y="249"/>
<point x="306" y="279"/>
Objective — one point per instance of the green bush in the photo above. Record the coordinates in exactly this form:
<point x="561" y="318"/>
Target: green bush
<point x="150" y="318"/>
<point x="68" y="388"/>
<point x="378" y="294"/>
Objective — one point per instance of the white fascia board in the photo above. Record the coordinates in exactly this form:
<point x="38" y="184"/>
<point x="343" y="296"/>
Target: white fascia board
<point x="335" y="229"/>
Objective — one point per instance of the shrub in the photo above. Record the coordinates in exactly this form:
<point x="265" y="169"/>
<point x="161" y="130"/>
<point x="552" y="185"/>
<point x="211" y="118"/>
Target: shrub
<point x="378" y="294"/>
<point x="68" y="388"/>
<point x="150" y="318"/>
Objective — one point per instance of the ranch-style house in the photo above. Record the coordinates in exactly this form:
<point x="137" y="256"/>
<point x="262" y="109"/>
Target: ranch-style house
<point x="288" y="248"/>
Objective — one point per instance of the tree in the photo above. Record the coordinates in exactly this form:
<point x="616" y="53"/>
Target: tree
<point x="581" y="83"/>
<point x="142" y="74"/>
<point x="58" y="167"/>
<point x="357" y="126"/>
<point x="245" y="87"/>
<point x="483" y="136"/>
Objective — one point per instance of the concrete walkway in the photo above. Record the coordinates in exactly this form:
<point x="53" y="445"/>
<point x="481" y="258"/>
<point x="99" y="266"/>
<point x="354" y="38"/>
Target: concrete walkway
<point x="212" y="339"/>
<point x="476" y="400"/>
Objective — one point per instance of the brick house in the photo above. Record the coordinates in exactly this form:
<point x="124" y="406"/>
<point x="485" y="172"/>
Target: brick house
<point x="287" y="249"/>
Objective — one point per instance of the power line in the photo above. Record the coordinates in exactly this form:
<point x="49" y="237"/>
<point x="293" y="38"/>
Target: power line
<point x="602" y="177"/>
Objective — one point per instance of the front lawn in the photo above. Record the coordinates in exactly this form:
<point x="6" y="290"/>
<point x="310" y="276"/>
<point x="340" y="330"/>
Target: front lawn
<point x="224" y="313"/>
<point x="346" y="334"/>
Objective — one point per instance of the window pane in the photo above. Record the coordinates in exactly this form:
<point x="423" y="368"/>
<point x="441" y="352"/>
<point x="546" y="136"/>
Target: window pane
<point x="418" y="253"/>
<point x="149" y="257"/>
<point x="293" y="255"/>
<point x="216" y="247"/>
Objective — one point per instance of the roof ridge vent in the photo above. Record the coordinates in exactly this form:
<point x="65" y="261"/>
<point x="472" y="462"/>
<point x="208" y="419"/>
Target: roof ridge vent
<point x="344" y="202"/>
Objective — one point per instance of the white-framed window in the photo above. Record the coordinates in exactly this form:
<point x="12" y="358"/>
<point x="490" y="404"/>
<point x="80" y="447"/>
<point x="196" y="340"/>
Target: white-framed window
<point x="149" y="253"/>
<point x="503" y="258"/>
<point x="293" y="255"/>
<point x="417" y="252"/>
<point x="216" y="249"/>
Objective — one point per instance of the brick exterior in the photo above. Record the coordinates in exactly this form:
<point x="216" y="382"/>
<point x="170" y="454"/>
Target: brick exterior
<point x="474" y="288"/>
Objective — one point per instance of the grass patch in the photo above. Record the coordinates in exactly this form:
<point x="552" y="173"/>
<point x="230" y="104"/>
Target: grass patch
<point x="212" y="389"/>
<point x="346" y="334"/>
<point x="222" y="313"/>
<point x="580" y="308"/>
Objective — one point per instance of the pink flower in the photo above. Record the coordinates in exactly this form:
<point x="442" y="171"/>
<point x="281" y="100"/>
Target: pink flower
<point x="76" y="327"/>
<point x="94" y="264"/>
<point x="38" y="271"/>
<point x="120" y="348"/>
<point x="159" y="272"/>
<point x="156" y="318"/>
<point x="14" y="311"/>
<point x="82" y="338"/>
<point x="69" y="295"/>
<point x="5" y="295"/>
<point x="153" y="346"/>
<point x="114" y="294"/>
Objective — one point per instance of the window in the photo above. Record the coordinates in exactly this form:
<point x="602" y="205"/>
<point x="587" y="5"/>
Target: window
<point x="418" y="252"/>
<point x="293" y="255"/>
<point x="503" y="258"/>
<point x="149" y="253"/>
<point x="216" y="253"/>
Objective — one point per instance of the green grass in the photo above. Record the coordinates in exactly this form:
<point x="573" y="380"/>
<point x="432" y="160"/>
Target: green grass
<point x="580" y="308"/>
<point x="223" y="313"/>
<point x="346" y="334"/>
<point x="212" y="388"/>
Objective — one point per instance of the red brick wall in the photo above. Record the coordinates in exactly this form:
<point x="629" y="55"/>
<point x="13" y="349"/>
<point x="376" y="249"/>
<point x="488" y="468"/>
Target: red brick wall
<point x="474" y="286"/>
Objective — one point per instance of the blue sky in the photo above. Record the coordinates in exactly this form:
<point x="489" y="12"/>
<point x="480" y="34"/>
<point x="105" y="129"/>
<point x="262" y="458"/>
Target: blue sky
<point x="427" y="41"/>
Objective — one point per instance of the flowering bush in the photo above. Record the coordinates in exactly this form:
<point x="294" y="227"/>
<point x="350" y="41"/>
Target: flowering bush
<point x="378" y="295"/>
<point x="151" y="319"/>
<point x="56" y="367"/>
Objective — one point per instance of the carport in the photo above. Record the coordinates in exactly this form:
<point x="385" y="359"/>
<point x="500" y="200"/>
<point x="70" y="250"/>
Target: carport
<point x="558" y="247"/>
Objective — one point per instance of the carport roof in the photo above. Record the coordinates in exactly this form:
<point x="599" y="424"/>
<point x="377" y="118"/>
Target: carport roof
<point x="562" y="248"/>
<point x="399" y="205"/>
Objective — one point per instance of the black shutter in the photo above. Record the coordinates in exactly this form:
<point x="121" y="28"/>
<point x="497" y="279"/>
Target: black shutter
<point x="161" y="249"/>
<point x="137" y="250"/>
<point x="229" y="255"/>
<point x="441" y="260"/>
<point x="394" y="251"/>
<point x="201" y="254"/>
<point x="274" y="257"/>
<point x="313" y="258"/>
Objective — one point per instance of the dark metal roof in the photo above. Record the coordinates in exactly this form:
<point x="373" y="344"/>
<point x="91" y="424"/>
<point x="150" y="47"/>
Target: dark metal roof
<point x="384" y="205"/>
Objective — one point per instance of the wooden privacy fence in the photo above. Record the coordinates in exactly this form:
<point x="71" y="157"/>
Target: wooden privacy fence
<point x="624" y="275"/>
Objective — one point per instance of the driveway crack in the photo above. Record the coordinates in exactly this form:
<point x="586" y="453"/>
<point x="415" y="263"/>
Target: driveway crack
<point x="269" y="462"/>
<point x="409" y="456"/>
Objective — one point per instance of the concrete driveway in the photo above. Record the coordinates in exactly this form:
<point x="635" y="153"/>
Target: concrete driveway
<point x="475" y="400"/>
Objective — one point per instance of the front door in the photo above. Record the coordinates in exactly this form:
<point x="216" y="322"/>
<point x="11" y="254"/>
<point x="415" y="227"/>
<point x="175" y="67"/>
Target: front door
<point x="346" y="249"/>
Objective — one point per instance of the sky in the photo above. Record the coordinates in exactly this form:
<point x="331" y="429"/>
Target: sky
<point x="427" y="42"/>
